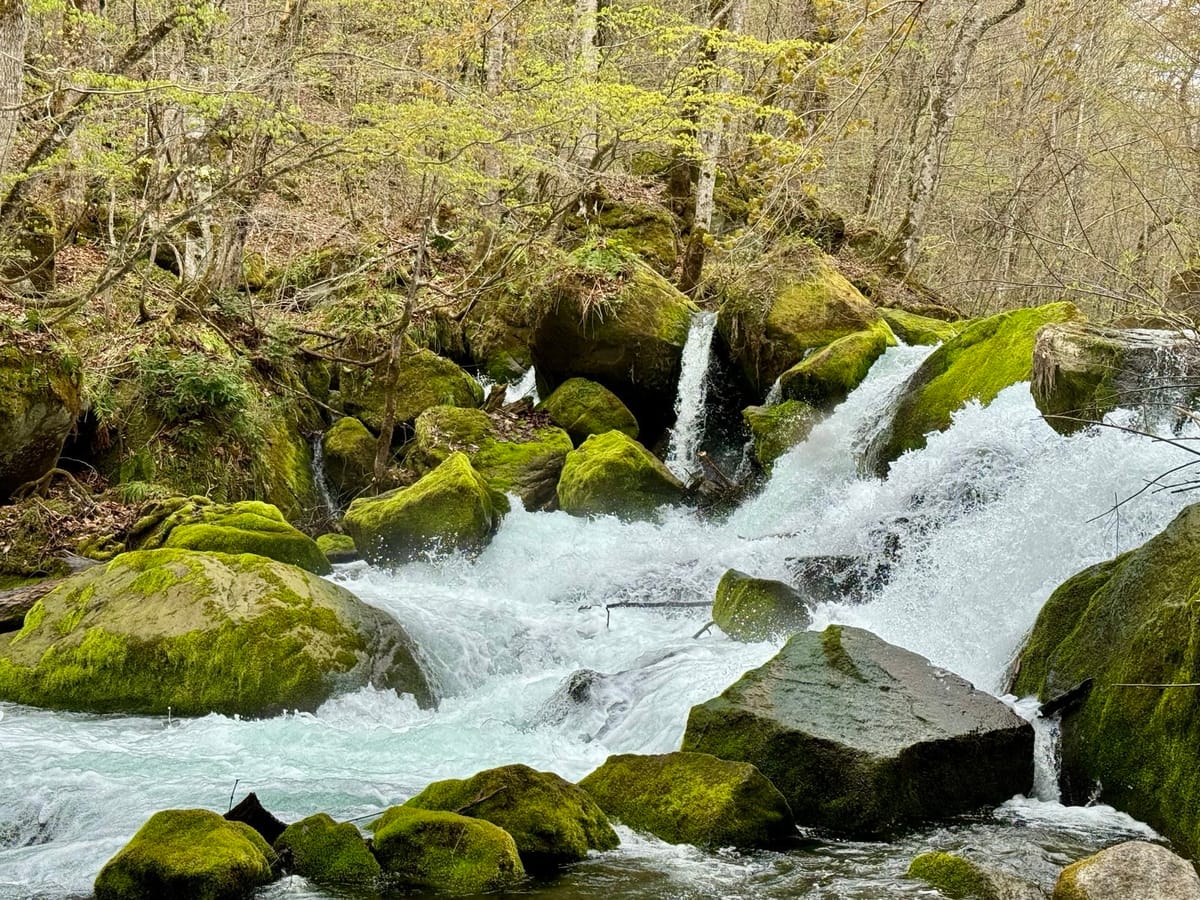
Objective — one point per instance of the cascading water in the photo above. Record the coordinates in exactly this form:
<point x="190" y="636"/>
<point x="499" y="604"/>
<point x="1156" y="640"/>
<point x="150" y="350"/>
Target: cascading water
<point x="525" y="386"/>
<point x="320" y="482"/>
<point x="690" y="399"/>
<point x="976" y="529"/>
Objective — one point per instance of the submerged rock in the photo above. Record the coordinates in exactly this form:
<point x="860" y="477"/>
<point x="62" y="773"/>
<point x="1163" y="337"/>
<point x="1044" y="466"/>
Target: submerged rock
<point x="914" y="329"/>
<point x="349" y="450"/>
<point x="192" y="633"/>
<point x="978" y="364"/>
<point x="1134" y="870"/>
<point x="444" y="851"/>
<point x="329" y="853"/>
<point x="776" y="429"/>
<point x="1133" y="620"/>
<point x="552" y="821"/>
<point x="826" y="377"/>
<point x="190" y="854"/>
<point x="754" y="609"/>
<point x="583" y="408"/>
<point x="841" y="579"/>
<point x="450" y="508"/>
<point x="863" y="737"/>
<point x="612" y="473"/>
<point x="962" y="879"/>
<point x="693" y="798"/>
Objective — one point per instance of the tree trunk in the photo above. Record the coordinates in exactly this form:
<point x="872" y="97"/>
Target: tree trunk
<point x="14" y="29"/>
<point x="588" y="65"/>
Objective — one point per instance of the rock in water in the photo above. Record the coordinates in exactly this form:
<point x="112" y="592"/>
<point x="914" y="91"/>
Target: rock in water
<point x="1135" y="870"/>
<point x="186" y="854"/>
<point x="776" y="429"/>
<point x="194" y="633"/>
<point x="349" y="450"/>
<point x="251" y="812"/>
<point x="326" y="852"/>
<point x="754" y="609"/>
<point x="914" y="329"/>
<point x="863" y="737"/>
<point x="962" y="879"/>
<point x="445" y="852"/>
<point x="693" y="798"/>
<point x="583" y="408"/>
<point x="551" y="820"/>
<point x="614" y="474"/>
<point x="827" y="376"/>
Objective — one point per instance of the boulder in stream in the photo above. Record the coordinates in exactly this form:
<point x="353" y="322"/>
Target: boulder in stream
<point x="754" y="609"/>
<point x="778" y="428"/>
<point x="960" y="878"/>
<point x="188" y="853"/>
<point x="349" y="451"/>
<point x="921" y="330"/>
<point x="552" y="821"/>
<point x="583" y="408"/>
<point x="328" y="852"/>
<point x="693" y="798"/>
<point x="1134" y="870"/>
<point x="863" y="737"/>
<point x="826" y="377"/>
<point x="611" y="473"/>
<point x="174" y="631"/>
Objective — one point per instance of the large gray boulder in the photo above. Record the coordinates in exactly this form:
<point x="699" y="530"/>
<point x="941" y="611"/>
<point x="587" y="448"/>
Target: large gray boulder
<point x="1135" y="870"/>
<point x="863" y="737"/>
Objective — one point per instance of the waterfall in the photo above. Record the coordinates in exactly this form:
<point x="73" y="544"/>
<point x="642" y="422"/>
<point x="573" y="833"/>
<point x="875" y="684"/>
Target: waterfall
<point x="690" y="399"/>
<point x="525" y="387"/>
<point x="328" y="504"/>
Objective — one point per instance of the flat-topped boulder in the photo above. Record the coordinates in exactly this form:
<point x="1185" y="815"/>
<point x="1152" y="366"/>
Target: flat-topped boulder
<point x="863" y="737"/>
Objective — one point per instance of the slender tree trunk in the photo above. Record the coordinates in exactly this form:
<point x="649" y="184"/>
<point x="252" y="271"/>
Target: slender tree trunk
<point x="588" y="65"/>
<point x="14" y="30"/>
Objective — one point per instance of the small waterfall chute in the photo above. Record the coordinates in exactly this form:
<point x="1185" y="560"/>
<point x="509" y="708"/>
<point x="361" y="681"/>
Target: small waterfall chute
<point x="320" y="482"/>
<point x="688" y="433"/>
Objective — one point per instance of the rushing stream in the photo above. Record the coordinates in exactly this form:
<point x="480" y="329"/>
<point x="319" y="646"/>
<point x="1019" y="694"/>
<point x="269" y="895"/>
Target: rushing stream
<point x="979" y="528"/>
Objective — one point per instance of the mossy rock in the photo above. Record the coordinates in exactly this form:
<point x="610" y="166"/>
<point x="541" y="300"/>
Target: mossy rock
<point x="583" y="408"/>
<point x="349" y="451"/>
<point x="329" y="853"/>
<point x="513" y="455"/>
<point x="1132" y="620"/>
<point x="450" y="508"/>
<point x="1133" y="870"/>
<point x="443" y="851"/>
<point x="693" y="798"/>
<point x="646" y="229"/>
<point x="788" y="303"/>
<point x="613" y="474"/>
<point x="921" y="330"/>
<point x="826" y="377"/>
<point x="194" y="633"/>
<point x="959" y="878"/>
<point x="755" y="609"/>
<point x="978" y="364"/>
<point x="196" y="523"/>
<point x="338" y="548"/>
<point x="776" y="429"/>
<point x="552" y="821"/>
<point x="191" y="854"/>
<point x="40" y="385"/>
<point x="425" y="380"/>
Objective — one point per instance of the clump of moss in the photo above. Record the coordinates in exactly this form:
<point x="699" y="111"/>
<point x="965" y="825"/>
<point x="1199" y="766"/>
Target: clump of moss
<point x="337" y="547"/>
<point x="327" y="852"/>
<point x="954" y="876"/>
<point x="612" y="473"/>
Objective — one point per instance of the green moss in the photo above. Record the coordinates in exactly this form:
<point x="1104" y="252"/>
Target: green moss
<point x="754" y="609"/>
<point x="953" y="876"/>
<point x="611" y="473"/>
<point x="644" y="229"/>
<point x="836" y="656"/>
<point x="914" y="329"/>
<point x="452" y="507"/>
<point x="826" y="377"/>
<point x="337" y="547"/>
<point x="551" y="820"/>
<point x="349" y="450"/>
<point x="692" y="798"/>
<point x="445" y="852"/>
<point x="978" y="364"/>
<point x="40" y="397"/>
<point x="187" y="853"/>
<point x="328" y="853"/>
<point x="776" y="429"/>
<point x="583" y="408"/>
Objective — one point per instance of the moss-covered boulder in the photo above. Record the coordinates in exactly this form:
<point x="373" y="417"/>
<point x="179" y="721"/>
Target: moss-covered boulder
<point x="444" y="851"/>
<point x="583" y="408"/>
<point x="776" y="429"/>
<point x="1132" y="620"/>
<point x="450" y="508"/>
<point x="788" y="303"/>
<point x="522" y="455"/>
<point x="552" y="821"/>
<point x="191" y="854"/>
<point x="914" y="329"/>
<point x="194" y="633"/>
<point x="754" y="609"/>
<point x="1082" y="371"/>
<point x="959" y="878"/>
<point x="338" y="548"/>
<point x="827" y="376"/>
<point x="349" y="458"/>
<point x="616" y="321"/>
<point x="646" y="229"/>
<point x="196" y="523"/>
<point x="425" y="380"/>
<point x="693" y="798"/>
<point x="328" y="852"/>
<point x="863" y="737"/>
<point x="983" y="360"/>
<point x="40" y="386"/>
<point x="611" y="473"/>
<point x="1134" y="870"/>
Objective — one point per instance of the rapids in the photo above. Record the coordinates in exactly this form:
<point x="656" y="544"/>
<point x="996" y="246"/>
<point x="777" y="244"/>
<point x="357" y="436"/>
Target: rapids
<point x="976" y="530"/>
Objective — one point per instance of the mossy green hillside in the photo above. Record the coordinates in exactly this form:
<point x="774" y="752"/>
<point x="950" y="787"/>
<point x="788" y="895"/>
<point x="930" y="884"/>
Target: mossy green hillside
<point x="551" y="820"/>
<point x="954" y="876"/>
<point x="692" y="798"/>
<point x="194" y="633"/>
<point x="611" y="473"/>
<point x="827" y="376"/>
<point x="191" y="853"/>
<point x="921" y="330"/>
<point x="452" y="507"/>
<point x="978" y="364"/>
<point x="776" y="429"/>
<point x="328" y="852"/>
<point x="443" y="851"/>
<point x="755" y="609"/>
<point x="583" y="408"/>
